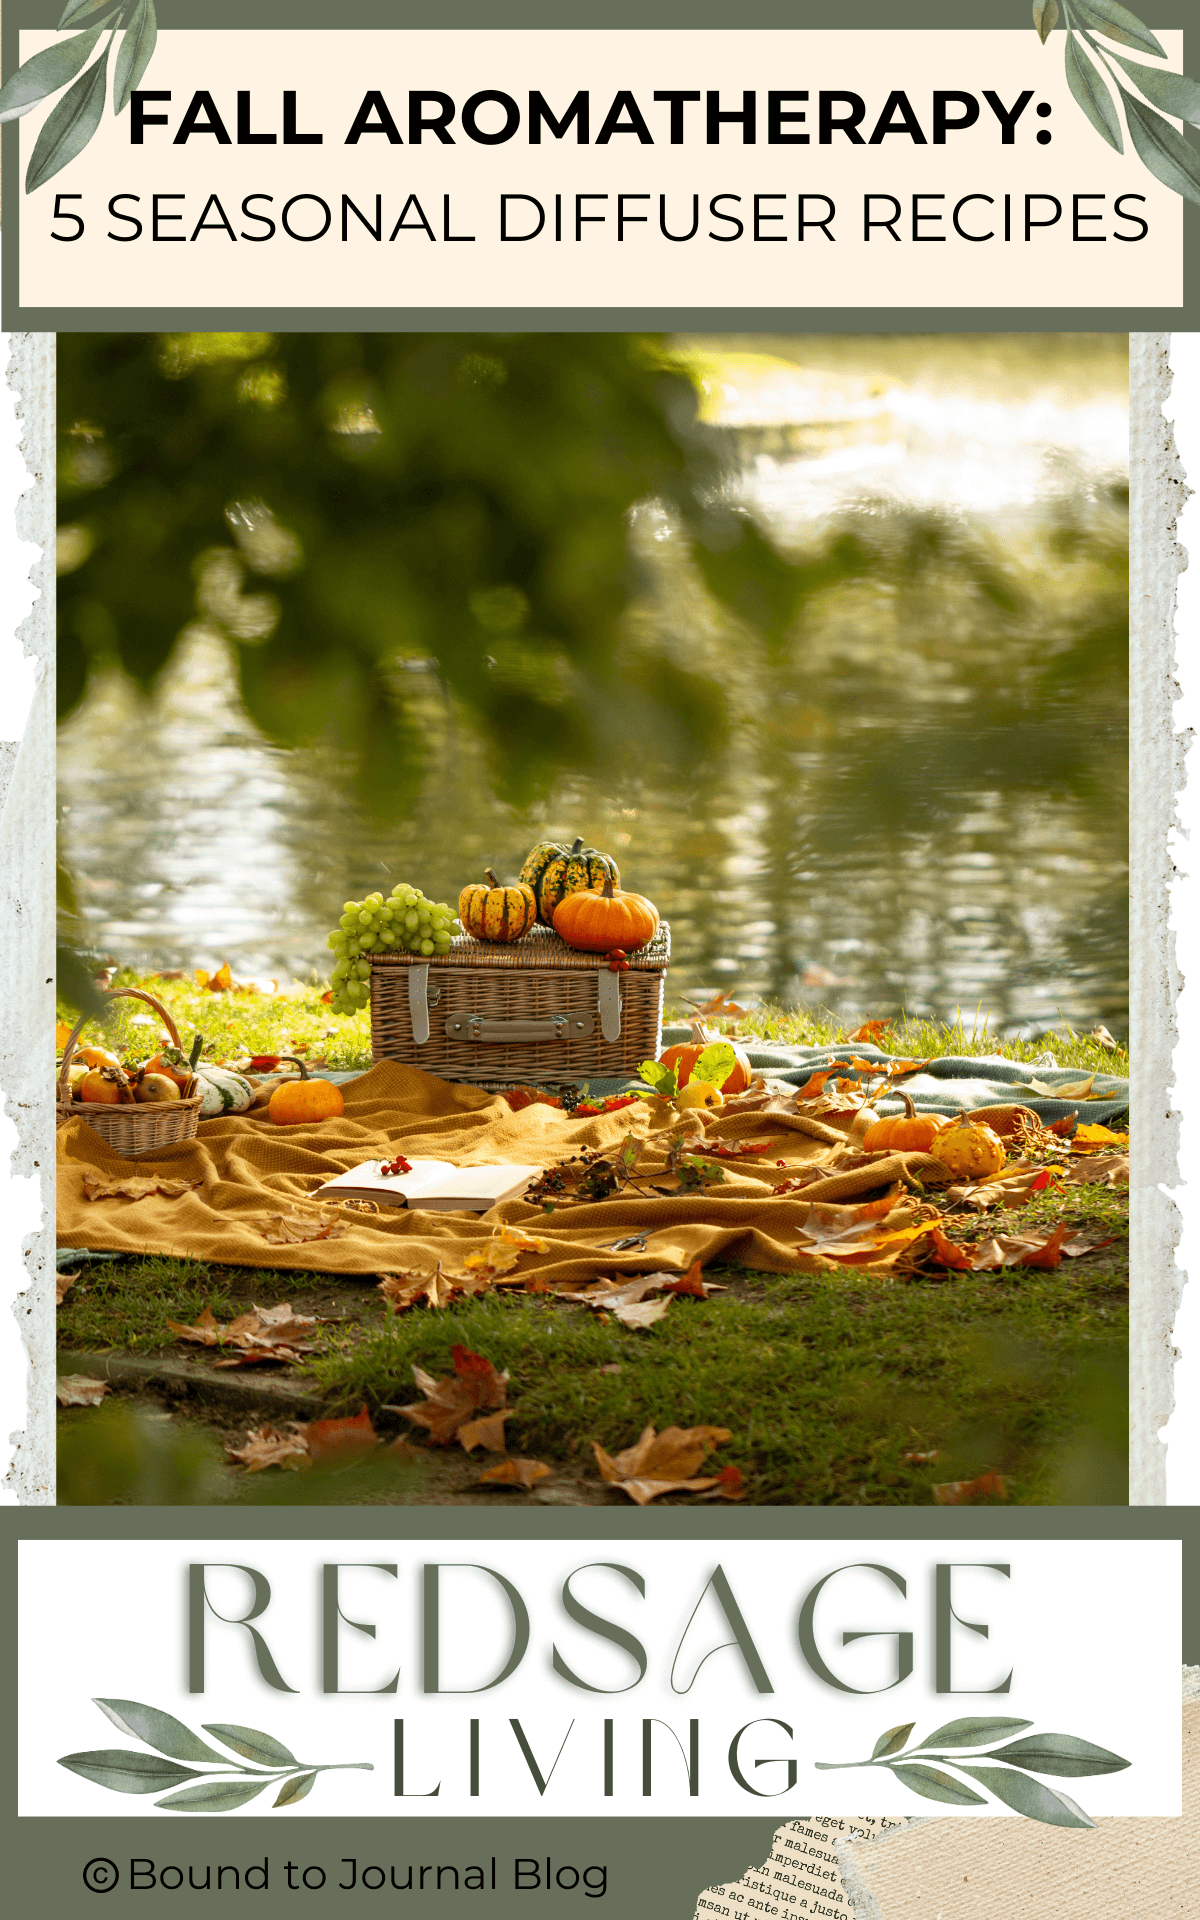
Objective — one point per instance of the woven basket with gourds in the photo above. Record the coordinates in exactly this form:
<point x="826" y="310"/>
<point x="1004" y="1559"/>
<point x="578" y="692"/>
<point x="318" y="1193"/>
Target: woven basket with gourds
<point x="134" y="1129"/>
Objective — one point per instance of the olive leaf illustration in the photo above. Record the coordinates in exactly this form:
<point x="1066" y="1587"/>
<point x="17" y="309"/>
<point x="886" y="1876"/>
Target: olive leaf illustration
<point x="126" y="1770"/>
<point x="1061" y="1754"/>
<point x="1159" y="146"/>
<point x="74" y="120"/>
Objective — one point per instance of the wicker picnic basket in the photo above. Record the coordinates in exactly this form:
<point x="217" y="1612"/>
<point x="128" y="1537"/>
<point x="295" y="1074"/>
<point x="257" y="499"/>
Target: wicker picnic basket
<point x="140" y="1128"/>
<point x="535" y="1011"/>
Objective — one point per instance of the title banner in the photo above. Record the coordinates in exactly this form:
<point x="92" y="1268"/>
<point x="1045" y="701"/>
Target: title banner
<point x="589" y="169"/>
<point x="633" y="1678"/>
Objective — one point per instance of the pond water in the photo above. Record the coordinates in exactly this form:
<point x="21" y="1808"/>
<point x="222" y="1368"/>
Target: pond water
<point x="922" y="803"/>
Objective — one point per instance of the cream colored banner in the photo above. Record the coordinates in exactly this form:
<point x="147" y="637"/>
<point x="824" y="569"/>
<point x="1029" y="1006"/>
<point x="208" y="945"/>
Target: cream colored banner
<point x="288" y="186"/>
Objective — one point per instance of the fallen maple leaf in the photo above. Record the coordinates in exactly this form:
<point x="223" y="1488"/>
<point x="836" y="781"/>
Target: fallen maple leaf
<point x="1109" y="1169"/>
<point x="81" y="1390"/>
<point x="662" y="1462"/>
<point x="333" y="1440"/>
<point x="135" y="1186"/>
<point x="720" y="1007"/>
<point x="1090" y="1136"/>
<point x="63" y="1282"/>
<point x="62" y="1033"/>
<point x="269" y="1447"/>
<point x="502" y="1252"/>
<point x="408" y="1289"/>
<point x="452" y="1402"/>
<point x="946" y="1253"/>
<point x="815" y="1084"/>
<point x="282" y="1230"/>
<point x="963" y="1493"/>
<point x="486" y="1432"/>
<point x="691" y="1283"/>
<point x="870" y="1031"/>
<point x="515" y="1473"/>
<point x="205" y="1330"/>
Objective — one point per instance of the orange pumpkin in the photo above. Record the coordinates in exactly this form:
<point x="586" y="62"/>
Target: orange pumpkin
<point x="598" y="922"/>
<point x="683" y="1058"/>
<point x="911" y="1132"/>
<point x="302" y="1100"/>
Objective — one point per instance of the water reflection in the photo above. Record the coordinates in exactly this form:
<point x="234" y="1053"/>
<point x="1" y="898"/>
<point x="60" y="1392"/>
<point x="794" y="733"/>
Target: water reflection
<point x="923" y="801"/>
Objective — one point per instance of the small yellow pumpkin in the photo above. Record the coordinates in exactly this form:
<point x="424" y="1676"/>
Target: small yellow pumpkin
<point x="969" y="1149"/>
<point x="909" y="1132"/>
<point x="496" y="913"/>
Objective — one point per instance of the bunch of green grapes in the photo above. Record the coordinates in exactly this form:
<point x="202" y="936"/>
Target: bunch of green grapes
<point x="406" y="922"/>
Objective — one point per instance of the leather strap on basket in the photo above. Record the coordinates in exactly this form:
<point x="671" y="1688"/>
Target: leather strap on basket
<point x="608" y="996"/>
<point x="418" y="1003"/>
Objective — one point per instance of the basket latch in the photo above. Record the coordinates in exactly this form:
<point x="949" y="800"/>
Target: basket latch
<point x="418" y="1003"/>
<point x="608" y="994"/>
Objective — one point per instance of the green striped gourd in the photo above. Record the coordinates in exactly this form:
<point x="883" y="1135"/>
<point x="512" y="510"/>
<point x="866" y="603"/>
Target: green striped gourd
<point x="553" y="872"/>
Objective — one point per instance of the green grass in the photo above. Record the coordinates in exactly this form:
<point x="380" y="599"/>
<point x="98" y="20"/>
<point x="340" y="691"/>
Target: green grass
<point x="827" y="1380"/>
<point x="236" y="1024"/>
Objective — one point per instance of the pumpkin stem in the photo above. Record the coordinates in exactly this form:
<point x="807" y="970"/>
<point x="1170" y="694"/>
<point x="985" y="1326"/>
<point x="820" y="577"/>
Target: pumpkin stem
<point x="607" y="890"/>
<point x="296" y="1063"/>
<point x="490" y="877"/>
<point x="578" y="847"/>
<point x="910" y="1112"/>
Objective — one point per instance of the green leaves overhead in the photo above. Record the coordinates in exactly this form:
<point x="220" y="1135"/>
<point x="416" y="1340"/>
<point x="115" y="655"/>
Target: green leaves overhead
<point x="1116" y="23"/>
<point x="1089" y="91"/>
<point x="45" y="73"/>
<point x="1173" y="93"/>
<point x="1045" y="18"/>
<point x="133" y="58"/>
<point x="1160" y="147"/>
<point x="70" y="126"/>
<point x="74" y="120"/>
<point x="1166" y="153"/>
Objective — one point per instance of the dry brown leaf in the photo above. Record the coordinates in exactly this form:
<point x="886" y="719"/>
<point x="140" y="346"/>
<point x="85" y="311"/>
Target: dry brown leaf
<point x="412" y="1287"/>
<point x="1091" y="1135"/>
<point x="63" y="1282"/>
<point x="269" y="1447"/>
<point x="663" y="1463"/>
<point x="205" y="1331"/>
<point x="720" y="1007"/>
<point x="964" y="1493"/>
<point x="640" y="1314"/>
<point x="450" y="1403"/>
<point x="870" y="1031"/>
<point x="515" y="1473"/>
<point x="135" y="1186"/>
<point x="264" y="1333"/>
<point x="486" y="1432"/>
<point x="1109" y="1169"/>
<point x="283" y="1230"/>
<point x="81" y="1390"/>
<point x="501" y="1254"/>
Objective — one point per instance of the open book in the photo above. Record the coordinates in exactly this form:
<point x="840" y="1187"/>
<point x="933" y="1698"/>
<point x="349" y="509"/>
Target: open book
<point x="432" y="1184"/>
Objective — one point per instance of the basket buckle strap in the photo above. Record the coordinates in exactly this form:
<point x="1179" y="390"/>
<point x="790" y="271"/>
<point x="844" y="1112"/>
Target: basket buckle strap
<point x="608" y="995"/>
<point x="562" y="1027"/>
<point x="418" y="1003"/>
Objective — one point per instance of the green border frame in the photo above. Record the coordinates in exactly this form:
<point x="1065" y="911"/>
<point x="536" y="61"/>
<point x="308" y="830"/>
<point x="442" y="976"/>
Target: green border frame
<point x="627" y="15"/>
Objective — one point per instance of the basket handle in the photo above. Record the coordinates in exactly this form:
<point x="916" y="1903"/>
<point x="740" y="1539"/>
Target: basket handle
<point x="114" y="993"/>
